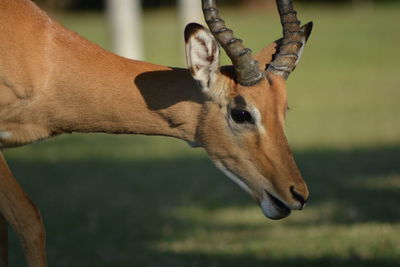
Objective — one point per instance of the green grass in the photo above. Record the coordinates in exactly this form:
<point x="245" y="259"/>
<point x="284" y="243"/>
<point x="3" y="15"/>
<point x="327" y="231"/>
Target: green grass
<point x="153" y="201"/>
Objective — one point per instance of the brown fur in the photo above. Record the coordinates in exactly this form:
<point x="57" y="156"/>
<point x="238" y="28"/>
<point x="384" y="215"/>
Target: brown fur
<point x="53" y="81"/>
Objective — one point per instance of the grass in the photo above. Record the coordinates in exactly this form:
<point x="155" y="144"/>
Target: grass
<point x="153" y="201"/>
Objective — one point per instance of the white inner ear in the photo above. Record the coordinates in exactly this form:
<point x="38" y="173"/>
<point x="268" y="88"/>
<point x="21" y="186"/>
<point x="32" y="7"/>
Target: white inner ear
<point x="303" y="41"/>
<point x="300" y="51"/>
<point x="202" y="56"/>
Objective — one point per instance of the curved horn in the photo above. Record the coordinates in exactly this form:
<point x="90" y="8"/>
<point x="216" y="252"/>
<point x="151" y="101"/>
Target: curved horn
<point x="246" y="67"/>
<point x="293" y="40"/>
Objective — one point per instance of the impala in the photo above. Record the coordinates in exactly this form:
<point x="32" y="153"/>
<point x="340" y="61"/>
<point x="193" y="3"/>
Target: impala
<point x="53" y="81"/>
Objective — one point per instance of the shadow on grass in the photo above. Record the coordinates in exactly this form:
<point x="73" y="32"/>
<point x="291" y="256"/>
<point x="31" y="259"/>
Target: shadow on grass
<point x="364" y="184"/>
<point x="108" y="209"/>
<point x="201" y="260"/>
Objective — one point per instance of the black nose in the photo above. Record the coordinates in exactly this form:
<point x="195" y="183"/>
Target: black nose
<point x="298" y="197"/>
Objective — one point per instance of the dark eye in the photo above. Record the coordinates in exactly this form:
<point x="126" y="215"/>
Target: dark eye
<point x="241" y="116"/>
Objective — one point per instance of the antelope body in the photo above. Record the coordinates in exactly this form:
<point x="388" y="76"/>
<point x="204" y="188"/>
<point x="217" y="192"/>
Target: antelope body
<point x="53" y="81"/>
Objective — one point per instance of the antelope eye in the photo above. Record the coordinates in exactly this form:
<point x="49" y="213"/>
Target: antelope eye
<point x="241" y="116"/>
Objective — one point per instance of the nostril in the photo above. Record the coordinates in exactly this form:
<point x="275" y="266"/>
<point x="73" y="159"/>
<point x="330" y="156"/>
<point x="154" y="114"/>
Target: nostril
<point x="298" y="196"/>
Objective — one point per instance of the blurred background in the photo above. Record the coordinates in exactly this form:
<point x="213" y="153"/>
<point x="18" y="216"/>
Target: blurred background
<point x="153" y="201"/>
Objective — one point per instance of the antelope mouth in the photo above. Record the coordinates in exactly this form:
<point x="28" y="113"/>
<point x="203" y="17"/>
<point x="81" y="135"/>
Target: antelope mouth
<point x="278" y="203"/>
<point x="273" y="208"/>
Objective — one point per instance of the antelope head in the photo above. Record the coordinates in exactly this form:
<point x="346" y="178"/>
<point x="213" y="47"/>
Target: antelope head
<point x="242" y="124"/>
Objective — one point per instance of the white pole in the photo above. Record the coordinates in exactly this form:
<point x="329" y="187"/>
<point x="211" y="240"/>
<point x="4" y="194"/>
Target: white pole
<point x="125" y="20"/>
<point x="190" y="11"/>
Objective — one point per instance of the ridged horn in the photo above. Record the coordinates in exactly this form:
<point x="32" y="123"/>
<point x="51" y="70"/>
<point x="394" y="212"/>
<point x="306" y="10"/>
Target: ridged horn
<point x="293" y="40"/>
<point x="247" y="70"/>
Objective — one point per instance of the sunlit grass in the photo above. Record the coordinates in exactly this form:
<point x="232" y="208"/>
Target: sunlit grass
<point x="153" y="201"/>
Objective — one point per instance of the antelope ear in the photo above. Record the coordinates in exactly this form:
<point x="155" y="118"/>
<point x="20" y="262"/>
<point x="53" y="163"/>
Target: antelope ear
<point x="202" y="57"/>
<point x="306" y="29"/>
<point x="266" y="55"/>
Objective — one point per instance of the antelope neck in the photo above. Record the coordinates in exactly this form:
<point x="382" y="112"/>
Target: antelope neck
<point x="117" y="95"/>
